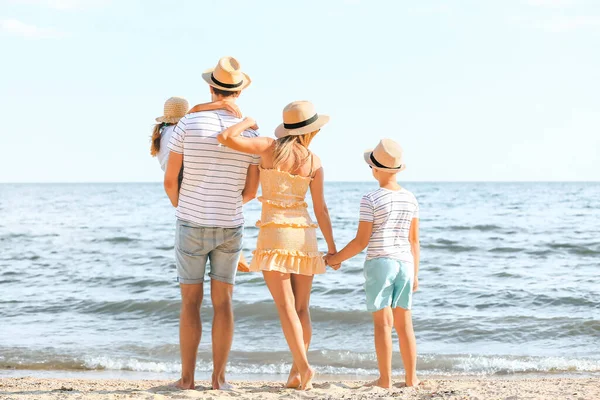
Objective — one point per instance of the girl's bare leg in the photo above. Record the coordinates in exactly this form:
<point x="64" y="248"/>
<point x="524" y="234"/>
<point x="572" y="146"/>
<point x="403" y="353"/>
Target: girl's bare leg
<point x="301" y="287"/>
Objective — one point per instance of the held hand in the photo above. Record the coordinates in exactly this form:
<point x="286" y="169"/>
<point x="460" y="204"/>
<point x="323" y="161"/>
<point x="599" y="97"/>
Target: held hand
<point x="328" y="261"/>
<point x="230" y="108"/>
<point x="250" y="123"/>
<point x="416" y="284"/>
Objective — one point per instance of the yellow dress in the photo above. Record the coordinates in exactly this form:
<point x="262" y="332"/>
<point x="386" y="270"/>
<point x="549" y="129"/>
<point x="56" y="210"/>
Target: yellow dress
<point x="287" y="239"/>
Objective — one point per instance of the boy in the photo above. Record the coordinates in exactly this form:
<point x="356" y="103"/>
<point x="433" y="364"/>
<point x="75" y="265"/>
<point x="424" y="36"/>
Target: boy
<point x="389" y="225"/>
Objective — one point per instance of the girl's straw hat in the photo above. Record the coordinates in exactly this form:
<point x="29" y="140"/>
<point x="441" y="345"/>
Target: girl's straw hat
<point x="387" y="156"/>
<point x="227" y="75"/>
<point x="300" y="118"/>
<point x="175" y="108"/>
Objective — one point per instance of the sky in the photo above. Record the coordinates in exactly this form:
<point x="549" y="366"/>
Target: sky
<point x="473" y="90"/>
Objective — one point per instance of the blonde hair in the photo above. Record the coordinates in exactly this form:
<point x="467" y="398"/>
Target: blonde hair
<point x="155" y="138"/>
<point x="284" y="149"/>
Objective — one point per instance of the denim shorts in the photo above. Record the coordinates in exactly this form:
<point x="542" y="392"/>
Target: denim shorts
<point x="388" y="283"/>
<point x="195" y="245"/>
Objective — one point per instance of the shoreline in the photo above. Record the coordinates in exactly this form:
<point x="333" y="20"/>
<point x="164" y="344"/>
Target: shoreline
<point x="454" y="388"/>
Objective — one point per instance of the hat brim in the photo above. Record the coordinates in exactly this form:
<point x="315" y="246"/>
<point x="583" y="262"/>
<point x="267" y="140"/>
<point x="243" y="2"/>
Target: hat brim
<point x="281" y="131"/>
<point x="367" y="156"/>
<point x="168" y="120"/>
<point x="207" y="76"/>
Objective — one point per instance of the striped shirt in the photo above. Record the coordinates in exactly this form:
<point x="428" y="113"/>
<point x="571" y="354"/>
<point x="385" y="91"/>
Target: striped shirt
<point x="213" y="175"/>
<point x="391" y="213"/>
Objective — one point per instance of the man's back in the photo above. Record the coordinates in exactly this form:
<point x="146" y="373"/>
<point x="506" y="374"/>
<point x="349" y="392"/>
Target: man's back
<point x="213" y="175"/>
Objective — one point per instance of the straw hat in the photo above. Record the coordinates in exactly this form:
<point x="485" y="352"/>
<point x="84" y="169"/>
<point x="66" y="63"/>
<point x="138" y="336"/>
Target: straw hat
<point x="300" y="118"/>
<point x="227" y="75"/>
<point x="175" y="108"/>
<point x="387" y="156"/>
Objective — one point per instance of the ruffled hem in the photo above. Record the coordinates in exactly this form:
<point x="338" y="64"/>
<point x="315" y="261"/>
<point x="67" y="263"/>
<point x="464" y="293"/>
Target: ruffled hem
<point x="285" y="224"/>
<point x="282" y="204"/>
<point x="288" y="261"/>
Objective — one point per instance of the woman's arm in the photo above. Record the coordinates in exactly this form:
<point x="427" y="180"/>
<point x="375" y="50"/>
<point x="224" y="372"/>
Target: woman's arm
<point x="415" y="248"/>
<point x="232" y="138"/>
<point x="251" y="186"/>
<point x="356" y="245"/>
<point x="228" y="106"/>
<point x="321" y="210"/>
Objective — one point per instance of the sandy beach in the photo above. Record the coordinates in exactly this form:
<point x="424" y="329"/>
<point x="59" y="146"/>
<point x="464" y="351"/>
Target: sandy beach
<point x="458" y="388"/>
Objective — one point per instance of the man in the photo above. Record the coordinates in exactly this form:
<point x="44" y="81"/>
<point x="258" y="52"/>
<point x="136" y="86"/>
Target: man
<point x="216" y="183"/>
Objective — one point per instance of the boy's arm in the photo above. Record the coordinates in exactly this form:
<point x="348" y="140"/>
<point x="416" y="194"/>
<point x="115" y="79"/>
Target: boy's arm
<point x="356" y="245"/>
<point x="228" y="106"/>
<point x="415" y="248"/>
<point x="251" y="186"/>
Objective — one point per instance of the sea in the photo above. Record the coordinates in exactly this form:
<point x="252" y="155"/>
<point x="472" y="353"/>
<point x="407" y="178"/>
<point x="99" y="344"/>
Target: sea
<point x="509" y="284"/>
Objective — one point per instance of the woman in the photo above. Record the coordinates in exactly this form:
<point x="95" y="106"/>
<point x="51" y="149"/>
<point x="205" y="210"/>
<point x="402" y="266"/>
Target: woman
<point x="286" y="249"/>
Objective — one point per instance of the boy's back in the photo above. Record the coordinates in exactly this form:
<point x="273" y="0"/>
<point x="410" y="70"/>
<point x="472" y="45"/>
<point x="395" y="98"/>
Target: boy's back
<point x="391" y="213"/>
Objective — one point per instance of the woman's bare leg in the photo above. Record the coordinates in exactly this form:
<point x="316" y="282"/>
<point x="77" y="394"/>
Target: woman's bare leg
<point x="280" y="286"/>
<point x="301" y="287"/>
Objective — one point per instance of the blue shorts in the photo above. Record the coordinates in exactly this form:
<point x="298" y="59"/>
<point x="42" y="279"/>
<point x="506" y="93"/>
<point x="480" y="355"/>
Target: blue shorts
<point x="195" y="245"/>
<point x="388" y="283"/>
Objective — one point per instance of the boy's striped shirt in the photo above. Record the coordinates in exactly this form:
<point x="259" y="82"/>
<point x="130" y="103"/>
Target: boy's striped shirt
<point x="391" y="213"/>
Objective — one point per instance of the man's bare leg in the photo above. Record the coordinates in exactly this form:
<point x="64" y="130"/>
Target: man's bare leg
<point x="222" y="331"/>
<point x="190" y="331"/>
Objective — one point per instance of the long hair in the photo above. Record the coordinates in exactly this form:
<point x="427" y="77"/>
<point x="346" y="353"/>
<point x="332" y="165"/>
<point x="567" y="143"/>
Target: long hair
<point x="284" y="149"/>
<point x="155" y="138"/>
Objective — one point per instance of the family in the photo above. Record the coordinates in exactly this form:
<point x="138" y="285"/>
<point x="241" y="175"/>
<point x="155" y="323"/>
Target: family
<point x="214" y="162"/>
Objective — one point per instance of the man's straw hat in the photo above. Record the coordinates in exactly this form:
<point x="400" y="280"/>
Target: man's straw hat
<point x="300" y="118"/>
<point x="175" y="108"/>
<point x="387" y="156"/>
<point x="227" y="75"/>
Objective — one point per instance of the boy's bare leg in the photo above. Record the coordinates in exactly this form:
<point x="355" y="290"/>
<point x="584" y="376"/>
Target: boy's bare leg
<point x="383" y="321"/>
<point x="408" y="345"/>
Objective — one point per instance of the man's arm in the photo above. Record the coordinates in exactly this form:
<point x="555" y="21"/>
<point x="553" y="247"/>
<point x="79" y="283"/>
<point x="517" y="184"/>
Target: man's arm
<point x="172" y="177"/>
<point x="252" y="181"/>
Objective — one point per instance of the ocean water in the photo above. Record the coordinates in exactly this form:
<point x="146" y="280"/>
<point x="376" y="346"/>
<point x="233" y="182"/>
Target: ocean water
<point x="508" y="283"/>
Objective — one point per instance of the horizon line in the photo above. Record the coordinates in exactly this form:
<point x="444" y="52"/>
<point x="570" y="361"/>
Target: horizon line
<point x="340" y="181"/>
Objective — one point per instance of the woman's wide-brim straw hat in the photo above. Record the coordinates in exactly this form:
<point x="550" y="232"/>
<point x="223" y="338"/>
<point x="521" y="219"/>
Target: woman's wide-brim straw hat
<point x="227" y="75"/>
<point x="387" y="156"/>
<point x="175" y="108"/>
<point x="300" y="118"/>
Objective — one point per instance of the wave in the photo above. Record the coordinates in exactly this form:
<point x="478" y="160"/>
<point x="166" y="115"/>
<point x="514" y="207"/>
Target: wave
<point x="326" y="362"/>
<point x="480" y="228"/>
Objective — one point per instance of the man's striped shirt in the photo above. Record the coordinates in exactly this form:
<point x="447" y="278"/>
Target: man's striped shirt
<point x="391" y="213"/>
<point x="213" y="175"/>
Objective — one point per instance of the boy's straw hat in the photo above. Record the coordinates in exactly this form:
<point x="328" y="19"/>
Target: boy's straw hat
<point x="227" y="75"/>
<point x="387" y="156"/>
<point x="300" y="118"/>
<point x="175" y="108"/>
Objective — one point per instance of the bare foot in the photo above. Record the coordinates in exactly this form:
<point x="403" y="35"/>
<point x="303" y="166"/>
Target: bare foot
<point x="293" y="381"/>
<point x="307" y="379"/>
<point x="415" y="383"/>
<point x="380" y="383"/>
<point x="221" y="384"/>
<point x="183" y="386"/>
